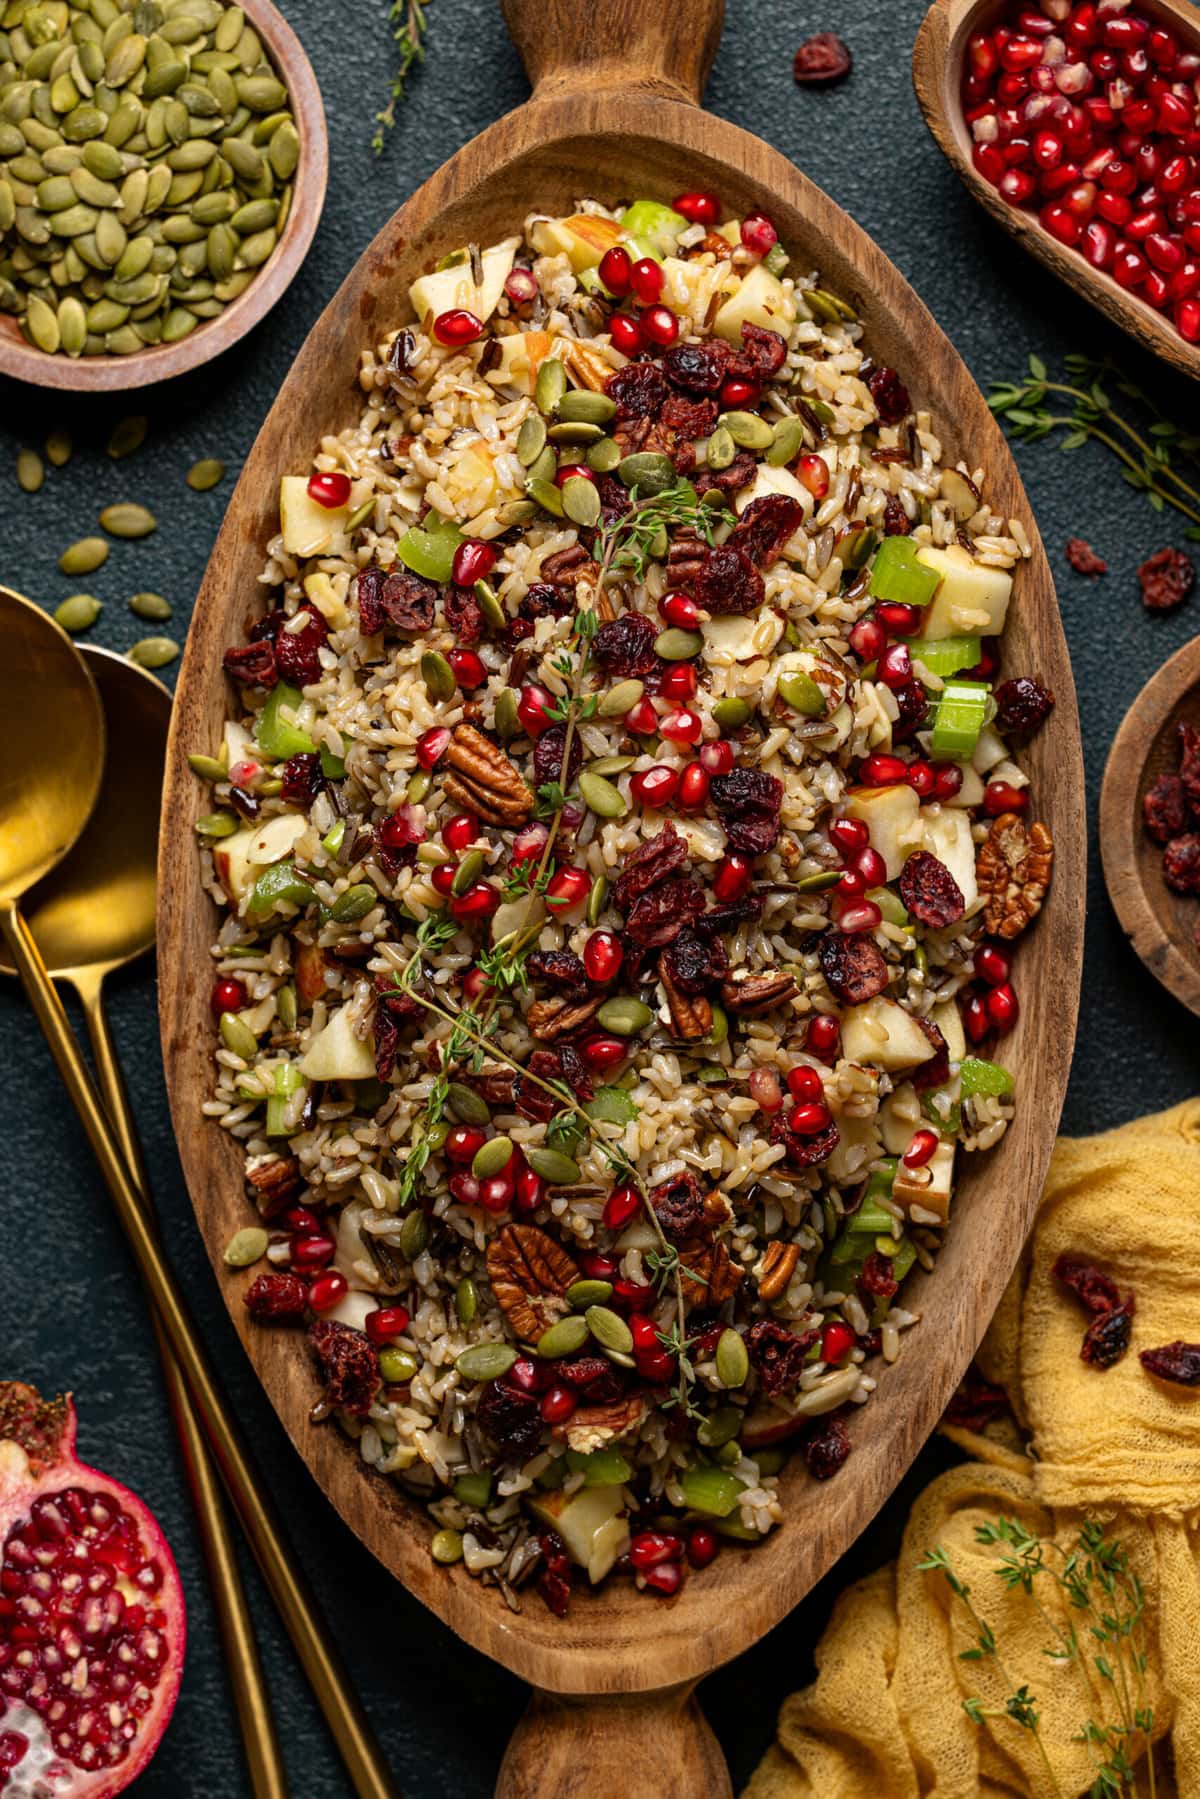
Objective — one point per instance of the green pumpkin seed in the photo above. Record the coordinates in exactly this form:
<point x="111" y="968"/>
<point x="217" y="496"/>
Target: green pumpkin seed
<point x="576" y="434"/>
<point x="489" y="604"/>
<point x="747" y="429"/>
<point x="550" y="386"/>
<point x="731" y="714"/>
<point x="209" y="768"/>
<point x="418" y="786"/>
<point x="581" y="501"/>
<point x="582" y="407"/>
<point x="601" y="797"/>
<point x="722" y="1426"/>
<point x="547" y="496"/>
<point x="855" y="545"/>
<point x="237" y="1037"/>
<point x="84" y="557"/>
<point x="720" y="1028"/>
<point x="41" y="327"/>
<point x="154" y="652"/>
<point x="563" y="1338"/>
<point x="397" y="1366"/>
<point x="354" y="904"/>
<point x="624" y="1015"/>
<point x="261" y="93"/>
<point x="604" y="456"/>
<point x="286" y="1007"/>
<point x="78" y="613"/>
<point x="611" y="765"/>
<point x="103" y="160"/>
<point x="58" y="449"/>
<point x="648" y="471"/>
<point x="802" y="694"/>
<point x="587" y="1293"/>
<point x="828" y="877"/>
<point x="438" y="676"/>
<point x="507" y="722"/>
<point x="720" y="449"/>
<point x="678" y="646"/>
<point x="531" y="439"/>
<point x="446" y="1547"/>
<point x="733" y="1360"/>
<point x="54" y="194"/>
<point x="559" y="1170"/>
<point x="128" y="520"/>
<point x="467" y="873"/>
<point x="414" y="1235"/>
<point x="243" y="159"/>
<point x="206" y="474"/>
<point x="128" y="435"/>
<point x="246" y="1247"/>
<point x="544" y="467"/>
<point x="486" y="1361"/>
<point x="467" y="1106"/>
<point x="466" y="1300"/>
<point x="786" y="443"/>
<point x="597" y="899"/>
<point x="492" y="1158"/>
<point x="150" y="606"/>
<point x="217" y="824"/>
<point x="619" y="700"/>
<point x="609" y="1329"/>
<point x="283" y="152"/>
<point x="31" y="471"/>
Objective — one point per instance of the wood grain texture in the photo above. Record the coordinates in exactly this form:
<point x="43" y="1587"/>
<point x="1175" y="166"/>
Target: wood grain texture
<point x="642" y="1746"/>
<point x="113" y="374"/>
<point x="938" y="56"/>
<point x="1160" y="925"/>
<point x="546" y="154"/>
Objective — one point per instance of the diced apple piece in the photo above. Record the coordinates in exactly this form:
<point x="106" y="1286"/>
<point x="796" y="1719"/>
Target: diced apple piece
<point x="885" y="1035"/>
<point x="444" y="290"/>
<point x="929" y="1187"/>
<point x="353" y="1309"/>
<point x="972" y="600"/>
<point x="583" y="239"/>
<point x="337" y="1053"/>
<point x="854" y="1135"/>
<point x="591" y="1523"/>
<point x="640" y="1234"/>
<point x="971" y="791"/>
<point x="521" y="356"/>
<point x="321" y="591"/>
<point x="474" y="476"/>
<point x="899" y="1117"/>
<point x="238" y="858"/>
<point x="990" y="750"/>
<point x="948" y="1020"/>
<point x="948" y="837"/>
<point x="760" y="300"/>
<point x="892" y="816"/>
<point x="767" y="1424"/>
<point x="309" y="970"/>
<point x="308" y="527"/>
<point x="773" y="480"/>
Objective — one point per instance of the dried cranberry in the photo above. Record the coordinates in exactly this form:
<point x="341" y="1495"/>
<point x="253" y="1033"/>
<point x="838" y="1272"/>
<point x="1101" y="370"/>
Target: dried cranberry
<point x="511" y="1418"/>
<point x="1107" y="1337"/>
<point x="721" y="919"/>
<point x="1178" y="1362"/>
<point x="975" y="1402"/>
<point x="296" y="652"/>
<point x="554" y="1579"/>
<point x="728" y="582"/>
<point x="749" y="804"/>
<point x="548" y="754"/>
<point x="252" y="665"/>
<point x="302" y="779"/>
<point x="821" y="59"/>
<point x="562" y="969"/>
<point x="778" y="1355"/>
<point x="574" y="1071"/>
<point x="1167" y="577"/>
<point x="408" y="601"/>
<point x="625" y="645"/>
<point x="936" y="1071"/>
<point x="1022" y="704"/>
<point x="876" y="1280"/>
<point x="530" y="1098"/>
<point x="615" y="499"/>
<point x="650" y="863"/>
<point x="1181" y="863"/>
<point x="691" y="418"/>
<point x="896" y="522"/>
<point x="657" y="917"/>
<point x="1189" y="763"/>
<point x="678" y="1205"/>
<point x="1091" y="1286"/>
<point x="765" y="527"/>
<point x="913" y="703"/>
<point x="349" y="1365"/>
<point x="1083" y="558"/>
<point x="931" y="892"/>
<point x="762" y="354"/>
<point x="694" y="964"/>
<point x="1165" y="808"/>
<point x="698" y="368"/>
<point x="853" y="966"/>
<point x="584" y="1372"/>
<point x="277" y="1299"/>
<point x="739" y="474"/>
<point x="464" y="615"/>
<point x="367" y="593"/>
<point x="393" y="1008"/>
<point x="804" y="1152"/>
<point x="890" y="395"/>
<point x="543" y="600"/>
<point x="826" y="1448"/>
<point x="639" y="390"/>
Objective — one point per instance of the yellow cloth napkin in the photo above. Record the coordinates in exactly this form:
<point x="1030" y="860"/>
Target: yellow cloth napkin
<point x="884" y="1718"/>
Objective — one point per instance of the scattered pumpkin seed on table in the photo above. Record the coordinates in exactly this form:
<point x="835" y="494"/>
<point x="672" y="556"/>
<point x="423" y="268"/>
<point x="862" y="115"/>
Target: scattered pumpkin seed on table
<point x="128" y="520"/>
<point x="151" y="606"/>
<point x="128" y="434"/>
<point x="58" y="448"/>
<point x="84" y="556"/>
<point x="78" y="612"/>
<point x="205" y="474"/>
<point x="154" y="652"/>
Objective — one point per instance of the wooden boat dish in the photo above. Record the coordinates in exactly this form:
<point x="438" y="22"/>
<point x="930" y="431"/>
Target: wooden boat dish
<point x="159" y="362"/>
<point x="614" y="113"/>
<point x="1160" y="925"/>
<point x="938" y="56"/>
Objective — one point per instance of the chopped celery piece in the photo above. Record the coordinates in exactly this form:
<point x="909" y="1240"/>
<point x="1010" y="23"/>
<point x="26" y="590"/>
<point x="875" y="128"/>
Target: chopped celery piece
<point x="474" y="1489"/>
<point x="978" y="1076"/>
<point x="333" y="839"/>
<point x="946" y="656"/>
<point x="655" y="227"/>
<point x="869" y="1220"/>
<point x="278" y="883"/>
<point x="903" y="1257"/>
<point x="896" y="574"/>
<point x="713" y="1491"/>
<point x="275" y="736"/>
<point x="428" y="549"/>
<point x="332" y="767"/>
<point x="880" y="1179"/>
<point x="288" y="1082"/>
<point x="554" y="1474"/>
<point x="948" y="1122"/>
<point x="890" y="904"/>
<point x="739" y="1532"/>
<point x="960" y="717"/>
<point x="776" y="259"/>
<point x="602" y="1468"/>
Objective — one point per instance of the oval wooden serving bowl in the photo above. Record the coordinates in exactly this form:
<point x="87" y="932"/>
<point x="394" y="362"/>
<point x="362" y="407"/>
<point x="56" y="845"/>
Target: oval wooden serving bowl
<point x="938" y="56"/>
<point x="614" y="114"/>
<point x="1160" y="925"/>
<point x="159" y="362"/>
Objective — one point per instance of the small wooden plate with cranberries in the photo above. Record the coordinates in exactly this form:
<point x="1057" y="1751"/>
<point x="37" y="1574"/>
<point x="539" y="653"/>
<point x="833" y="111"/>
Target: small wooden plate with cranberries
<point x="1160" y="924"/>
<point x="614" y="113"/>
<point x="940" y="60"/>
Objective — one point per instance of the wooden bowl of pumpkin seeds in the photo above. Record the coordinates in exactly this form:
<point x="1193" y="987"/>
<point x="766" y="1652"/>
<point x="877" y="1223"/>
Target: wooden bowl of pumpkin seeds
<point x="162" y="172"/>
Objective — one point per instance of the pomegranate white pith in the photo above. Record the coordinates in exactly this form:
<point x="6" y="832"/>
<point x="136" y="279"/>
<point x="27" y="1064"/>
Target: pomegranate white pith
<point x="92" y="1622"/>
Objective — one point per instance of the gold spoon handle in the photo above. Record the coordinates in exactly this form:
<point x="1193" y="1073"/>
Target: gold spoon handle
<point x="243" y="1665"/>
<point x="339" y="1703"/>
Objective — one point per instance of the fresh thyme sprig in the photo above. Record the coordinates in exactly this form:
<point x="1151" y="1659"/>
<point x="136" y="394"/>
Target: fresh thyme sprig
<point x="1096" y="1580"/>
<point x="638" y="537"/>
<point x="407" y="19"/>
<point x="1148" y="456"/>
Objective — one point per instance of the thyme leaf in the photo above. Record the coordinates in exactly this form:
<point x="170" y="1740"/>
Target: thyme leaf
<point x="407" y="20"/>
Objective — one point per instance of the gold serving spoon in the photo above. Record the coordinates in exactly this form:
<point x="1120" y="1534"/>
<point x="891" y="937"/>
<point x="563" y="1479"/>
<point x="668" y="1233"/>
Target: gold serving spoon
<point x="48" y="786"/>
<point x="93" y="914"/>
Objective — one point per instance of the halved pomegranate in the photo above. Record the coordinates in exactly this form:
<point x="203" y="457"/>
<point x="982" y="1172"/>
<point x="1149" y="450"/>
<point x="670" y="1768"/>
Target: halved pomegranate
<point x="92" y="1622"/>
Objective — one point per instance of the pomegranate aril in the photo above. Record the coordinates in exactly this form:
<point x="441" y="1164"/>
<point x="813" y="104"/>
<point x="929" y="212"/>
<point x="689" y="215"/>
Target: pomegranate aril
<point x="878" y="770"/>
<point x="616" y="267"/>
<point x="228" y="995"/>
<point x="648" y="1548"/>
<point x="693" y="788"/>
<point x="736" y="393"/>
<point x="603" y="1052"/>
<point x="666" y="1579"/>
<point x="717" y="757"/>
<point x="441" y="878"/>
<point x="868" y="639"/>
<point x="897" y="619"/>
<point x="823" y="1037"/>
<point x="920" y="777"/>
<point x="460" y="831"/>
<point x="808" y="1119"/>
<point x="680" y="610"/>
<point x="387" y="1323"/>
<point x="1187" y="320"/>
<point x="568" y="889"/>
<point x="622" y="1204"/>
<point x="330" y="489"/>
<point x="655" y="787"/>
<point x="520" y="287"/>
<point x="660" y="325"/>
<point x="1002" y="1008"/>
<point x="921" y="1149"/>
<point x="558" y="1404"/>
<point x="804" y="1083"/>
<point x="1001" y="796"/>
<point x="765" y="1090"/>
<point x="642" y="719"/>
<point x="312" y="1252"/>
<point x="479" y="901"/>
<point x="456" y="327"/>
<point x="626" y="334"/>
<point x="758" y="233"/>
<point x="432" y="746"/>
<point x="467" y="668"/>
<point x="702" y="1546"/>
<point x="327" y="1291"/>
<point x="574" y="471"/>
<point x="684" y="726"/>
<point x="602" y="956"/>
<point x="849" y="834"/>
<point x="871" y="866"/>
<point x="813" y="472"/>
<point x="679" y="682"/>
<point x="698" y="208"/>
<point x="837" y="1340"/>
<point x="895" y="666"/>
<point x="646" y="280"/>
<point x="863" y="915"/>
<point x="533" y="709"/>
<point x="733" y="877"/>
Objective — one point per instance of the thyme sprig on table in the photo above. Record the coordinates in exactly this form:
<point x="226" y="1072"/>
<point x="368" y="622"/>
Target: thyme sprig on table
<point x="1097" y="1582"/>
<point x="407" y="20"/>
<point x="1149" y="455"/>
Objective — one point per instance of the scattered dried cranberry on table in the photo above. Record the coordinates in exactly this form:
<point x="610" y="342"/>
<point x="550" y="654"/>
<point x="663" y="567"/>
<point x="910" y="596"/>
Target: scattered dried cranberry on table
<point x="1166" y="579"/>
<point x="1083" y="558"/>
<point x="820" y="60"/>
<point x="1177" y="1362"/>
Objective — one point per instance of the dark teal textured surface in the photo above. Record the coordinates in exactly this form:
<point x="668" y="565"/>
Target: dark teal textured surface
<point x="70" y="1308"/>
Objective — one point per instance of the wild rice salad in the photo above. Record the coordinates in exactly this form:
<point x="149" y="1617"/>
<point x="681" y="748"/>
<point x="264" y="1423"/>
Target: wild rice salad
<point x="620" y="852"/>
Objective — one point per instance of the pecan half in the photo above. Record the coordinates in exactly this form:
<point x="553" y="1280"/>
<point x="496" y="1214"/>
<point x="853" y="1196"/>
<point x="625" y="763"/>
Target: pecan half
<point x="778" y="1267"/>
<point x="529" y="1273"/>
<point x="716" y="1276"/>
<point x="550" y="1019"/>
<point x="691" y="1016"/>
<point x="594" y="1425"/>
<point x="274" y="1183"/>
<point x="685" y="559"/>
<point x="484" y="781"/>
<point x="1013" y="870"/>
<point x="587" y="366"/>
<point x="757" y="993"/>
<point x="564" y="567"/>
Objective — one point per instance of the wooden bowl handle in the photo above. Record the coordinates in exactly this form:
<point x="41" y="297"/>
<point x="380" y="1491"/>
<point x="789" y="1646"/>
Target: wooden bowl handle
<point x="640" y="1745"/>
<point x="634" y="45"/>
